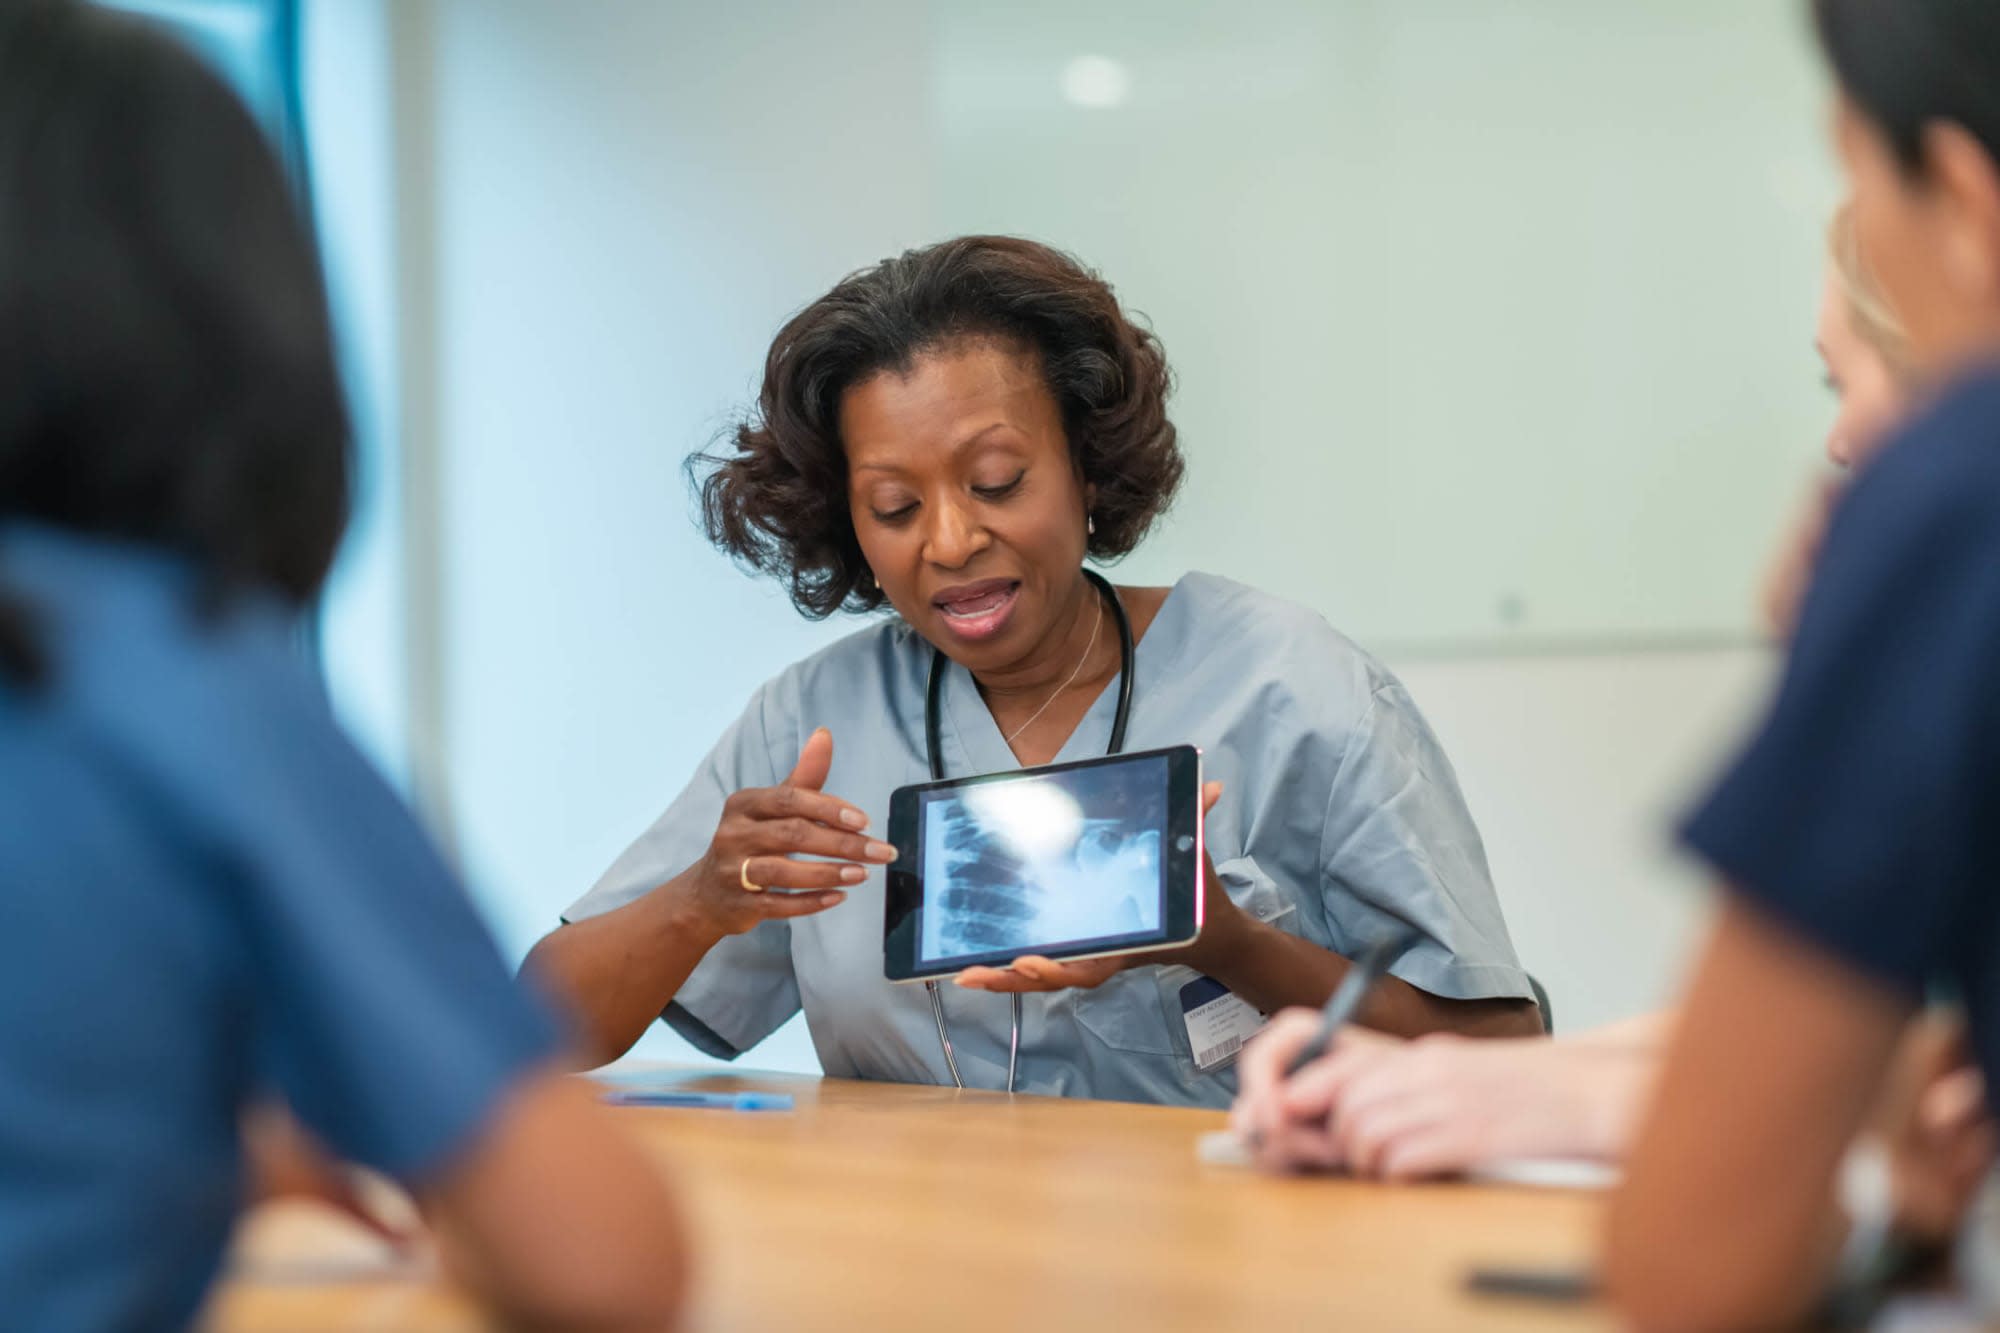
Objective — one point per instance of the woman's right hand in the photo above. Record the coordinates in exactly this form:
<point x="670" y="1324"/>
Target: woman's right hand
<point x="763" y="833"/>
<point x="1405" y="1110"/>
<point x="1281" y="1129"/>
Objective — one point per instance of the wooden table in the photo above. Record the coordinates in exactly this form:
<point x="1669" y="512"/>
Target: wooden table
<point x="882" y="1207"/>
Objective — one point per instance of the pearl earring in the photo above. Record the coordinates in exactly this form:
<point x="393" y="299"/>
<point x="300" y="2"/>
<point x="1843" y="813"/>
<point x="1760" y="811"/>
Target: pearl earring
<point x="1090" y="524"/>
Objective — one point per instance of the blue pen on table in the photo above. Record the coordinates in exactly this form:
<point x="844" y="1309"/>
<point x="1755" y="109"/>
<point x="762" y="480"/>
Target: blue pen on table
<point x="710" y="1101"/>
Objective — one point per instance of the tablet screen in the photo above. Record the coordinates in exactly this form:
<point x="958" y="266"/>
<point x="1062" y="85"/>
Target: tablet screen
<point x="1043" y="863"/>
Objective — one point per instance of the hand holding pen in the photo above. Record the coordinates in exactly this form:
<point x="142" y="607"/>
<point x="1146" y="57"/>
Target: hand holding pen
<point x="1271" y="1119"/>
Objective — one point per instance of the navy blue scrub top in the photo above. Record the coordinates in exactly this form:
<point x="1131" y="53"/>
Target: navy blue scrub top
<point x="205" y="893"/>
<point x="1865" y="813"/>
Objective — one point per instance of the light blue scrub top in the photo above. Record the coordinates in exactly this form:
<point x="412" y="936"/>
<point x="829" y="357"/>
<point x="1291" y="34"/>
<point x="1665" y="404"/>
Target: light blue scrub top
<point x="1340" y="816"/>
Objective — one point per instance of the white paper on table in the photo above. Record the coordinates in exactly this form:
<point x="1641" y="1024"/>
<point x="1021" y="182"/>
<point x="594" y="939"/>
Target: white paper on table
<point x="1222" y="1148"/>
<point x="1547" y="1173"/>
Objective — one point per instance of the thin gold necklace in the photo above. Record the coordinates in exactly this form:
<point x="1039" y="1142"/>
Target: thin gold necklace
<point x="1095" y="626"/>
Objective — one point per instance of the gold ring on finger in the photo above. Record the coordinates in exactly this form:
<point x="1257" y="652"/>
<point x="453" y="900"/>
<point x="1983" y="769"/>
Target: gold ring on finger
<point x="743" y="876"/>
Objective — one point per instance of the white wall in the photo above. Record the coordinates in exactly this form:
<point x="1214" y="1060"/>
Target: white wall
<point x="626" y="205"/>
<point x="1577" y="769"/>
<point x="1536" y="272"/>
<point x="613" y="208"/>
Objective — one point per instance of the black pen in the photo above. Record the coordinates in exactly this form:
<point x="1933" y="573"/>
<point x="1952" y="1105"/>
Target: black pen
<point x="1345" y="1002"/>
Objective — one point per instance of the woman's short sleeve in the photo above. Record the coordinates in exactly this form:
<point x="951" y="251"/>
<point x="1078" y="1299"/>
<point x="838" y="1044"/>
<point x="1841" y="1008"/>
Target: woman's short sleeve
<point x="745" y="989"/>
<point x="1400" y="846"/>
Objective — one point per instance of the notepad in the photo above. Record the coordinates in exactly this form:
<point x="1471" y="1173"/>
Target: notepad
<point x="1222" y="1148"/>
<point x="300" y="1242"/>
<point x="1547" y="1173"/>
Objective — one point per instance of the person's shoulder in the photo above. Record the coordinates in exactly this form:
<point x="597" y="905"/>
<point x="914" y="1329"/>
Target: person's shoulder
<point x="1264" y="621"/>
<point x="187" y="698"/>
<point x="125" y="622"/>
<point x="1967" y="405"/>
<point x="1291" y="643"/>
<point x="1943" y="465"/>
<point x="1922" y="514"/>
<point x="873" y="662"/>
<point x="885" y="643"/>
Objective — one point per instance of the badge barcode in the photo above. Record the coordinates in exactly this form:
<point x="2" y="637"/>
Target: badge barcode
<point x="1219" y="1052"/>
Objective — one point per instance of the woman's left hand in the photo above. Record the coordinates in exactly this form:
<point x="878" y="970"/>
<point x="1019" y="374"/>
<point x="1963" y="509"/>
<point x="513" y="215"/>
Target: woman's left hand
<point x="1032" y="972"/>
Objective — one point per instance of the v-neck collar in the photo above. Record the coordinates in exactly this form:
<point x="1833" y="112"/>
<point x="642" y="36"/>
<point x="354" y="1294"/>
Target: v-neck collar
<point x="983" y="748"/>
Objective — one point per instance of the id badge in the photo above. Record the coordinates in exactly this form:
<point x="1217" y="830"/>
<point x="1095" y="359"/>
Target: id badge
<point x="1218" y="1022"/>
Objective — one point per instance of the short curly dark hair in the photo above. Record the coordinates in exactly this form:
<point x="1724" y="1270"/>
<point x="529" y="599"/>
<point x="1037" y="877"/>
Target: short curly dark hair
<point x="777" y="500"/>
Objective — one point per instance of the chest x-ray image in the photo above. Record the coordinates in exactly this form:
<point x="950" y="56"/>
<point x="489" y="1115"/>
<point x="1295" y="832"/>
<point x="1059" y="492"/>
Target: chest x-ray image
<point x="1029" y="865"/>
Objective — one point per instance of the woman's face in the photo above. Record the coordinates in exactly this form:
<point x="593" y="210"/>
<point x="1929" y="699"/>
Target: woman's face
<point x="1927" y="238"/>
<point x="1871" y="400"/>
<point x="967" y="505"/>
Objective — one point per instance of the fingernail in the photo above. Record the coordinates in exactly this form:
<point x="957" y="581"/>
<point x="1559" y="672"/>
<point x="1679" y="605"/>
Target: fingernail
<point x="884" y="852"/>
<point x="854" y="819"/>
<point x="852" y="874"/>
<point x="833" y="897"/>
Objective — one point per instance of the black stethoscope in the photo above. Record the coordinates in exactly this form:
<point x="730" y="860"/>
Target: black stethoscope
<point x="933" y="695"/>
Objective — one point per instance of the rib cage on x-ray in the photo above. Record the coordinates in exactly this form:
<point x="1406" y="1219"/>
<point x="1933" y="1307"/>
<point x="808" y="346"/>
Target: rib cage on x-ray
<point x="1019" y="866"/>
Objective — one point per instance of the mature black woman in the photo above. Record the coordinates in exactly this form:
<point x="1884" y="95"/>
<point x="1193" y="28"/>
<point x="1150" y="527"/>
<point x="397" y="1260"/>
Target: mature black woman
<point x="950" y="435"/>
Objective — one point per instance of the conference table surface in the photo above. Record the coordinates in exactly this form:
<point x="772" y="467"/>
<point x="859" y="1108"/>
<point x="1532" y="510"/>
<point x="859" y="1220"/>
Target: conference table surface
<point x="883" y="1206"/>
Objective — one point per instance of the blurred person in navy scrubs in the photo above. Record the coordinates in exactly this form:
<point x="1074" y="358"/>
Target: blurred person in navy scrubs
<point x="1858" y="833"/>
<point x="207" y="896"/>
